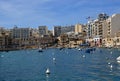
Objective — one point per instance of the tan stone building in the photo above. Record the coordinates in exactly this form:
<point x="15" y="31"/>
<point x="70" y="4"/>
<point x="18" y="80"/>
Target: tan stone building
<point x="78" y="28"/>
<point x="5" y="41"/>
<point x="111" y="28"/>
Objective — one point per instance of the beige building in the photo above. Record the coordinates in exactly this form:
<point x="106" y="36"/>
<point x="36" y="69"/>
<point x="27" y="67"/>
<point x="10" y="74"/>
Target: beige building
<point x="111" y="28"/>
<point x="78" y="28"/>
<point x="5" y="40"/>
<point x="113" y="25"/>
<point x="105" y="28"/>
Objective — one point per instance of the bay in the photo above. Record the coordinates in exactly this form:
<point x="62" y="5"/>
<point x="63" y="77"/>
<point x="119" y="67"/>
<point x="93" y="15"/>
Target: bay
<point x="68" y="65"/>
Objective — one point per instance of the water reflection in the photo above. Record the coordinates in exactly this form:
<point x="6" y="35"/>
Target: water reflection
<point x="47" y="77"/>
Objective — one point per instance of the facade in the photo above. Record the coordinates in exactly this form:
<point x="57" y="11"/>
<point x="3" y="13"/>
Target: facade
<point x="5" y="40"/>
<point x="78" y="28"/>
<point x="43" y="30"/>
<point x="117" y="39"/>
<point x="20" y="36"/>
<point x="66" y="29"/>
<point x="112" y="27"/>
<point x="57" y="31"/>
<point x="102" y="16"/>
<point x="89" y="29"/>
<point x="96" y="29"/>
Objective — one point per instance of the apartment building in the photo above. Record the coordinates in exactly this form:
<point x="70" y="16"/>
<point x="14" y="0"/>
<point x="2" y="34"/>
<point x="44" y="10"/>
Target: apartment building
<point x="112" y="27"/>
<point x="78" y="28"/>
<point x="96" y="29"/>
<point x="20" y="36"/>
<point x="43" y="30"/>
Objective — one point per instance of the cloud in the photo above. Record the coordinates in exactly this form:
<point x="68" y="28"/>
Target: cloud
<point x="51" y="12"/>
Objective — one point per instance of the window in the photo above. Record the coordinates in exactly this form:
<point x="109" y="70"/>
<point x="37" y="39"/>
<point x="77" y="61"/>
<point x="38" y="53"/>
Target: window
<point x="117" y="40"/>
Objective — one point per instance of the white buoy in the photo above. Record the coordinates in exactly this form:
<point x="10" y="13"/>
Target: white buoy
<point x="79" y="49"/>
<point x="54" y="59"/>
<point x="47" y="71"/>
<point x="111" y="66"/>
<point x="108" y="62"/>
<point x="83" y="56"/>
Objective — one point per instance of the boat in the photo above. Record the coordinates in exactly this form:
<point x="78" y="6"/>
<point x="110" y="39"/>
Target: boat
<point x="118" y="59"/>
<point x="61" y="48"/>
<point x="47" y="71"/>
<point x="40" y="50"/>
<point x="79" y="49"/>
<point x="89" y="50"/>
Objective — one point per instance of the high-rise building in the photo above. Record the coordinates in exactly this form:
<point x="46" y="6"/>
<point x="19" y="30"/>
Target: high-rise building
<point x="63" y="29"/>
<point x="57" y="31"/>
<point x="23" y="33"/>
<point x="113" y="25"/>
<point x="66" y="29"/>
<point x="95" y="28"/>
<point x="21" y="36"/>
<point x="43" y="30"/>
<point x="78" y="28"/>
<point x="102" y="16"/>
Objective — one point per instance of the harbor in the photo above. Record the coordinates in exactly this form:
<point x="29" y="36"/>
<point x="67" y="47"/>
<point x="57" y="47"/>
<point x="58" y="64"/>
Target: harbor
<point x="66" y="64"/>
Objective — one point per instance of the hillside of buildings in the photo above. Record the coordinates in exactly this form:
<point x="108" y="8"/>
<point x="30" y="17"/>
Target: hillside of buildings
<point x="104" y="31"/>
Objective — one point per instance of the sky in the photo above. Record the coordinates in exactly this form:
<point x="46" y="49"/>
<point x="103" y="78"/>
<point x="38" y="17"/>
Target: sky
<point x="34" y="13"/>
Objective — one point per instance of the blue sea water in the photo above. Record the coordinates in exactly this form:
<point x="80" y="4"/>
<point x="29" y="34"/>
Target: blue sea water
<point x="69" y="65"/>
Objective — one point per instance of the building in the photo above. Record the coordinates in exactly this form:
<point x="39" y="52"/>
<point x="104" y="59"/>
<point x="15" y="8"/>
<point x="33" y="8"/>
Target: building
<point x="112" y="27"/>
<point x="5" y="40"/>
<point x="78" y="28"/>
<point x="43" y="30"/>
<point x="102" y="16"/>
<point x="21" y="36"/>
<point x="66" y="29"/>
<point x="57" y="31"/>
<point x="96" y="29"/>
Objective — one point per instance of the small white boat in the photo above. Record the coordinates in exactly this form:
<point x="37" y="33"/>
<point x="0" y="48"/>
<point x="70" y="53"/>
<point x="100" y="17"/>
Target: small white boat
<point x="47" y="71"/>
<point x="111" y="66"/>
<point x="40" y="50"/>
<point x="79" y="49"/>
<point x="118" y="58"/>
<point x="118" y="61"/>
